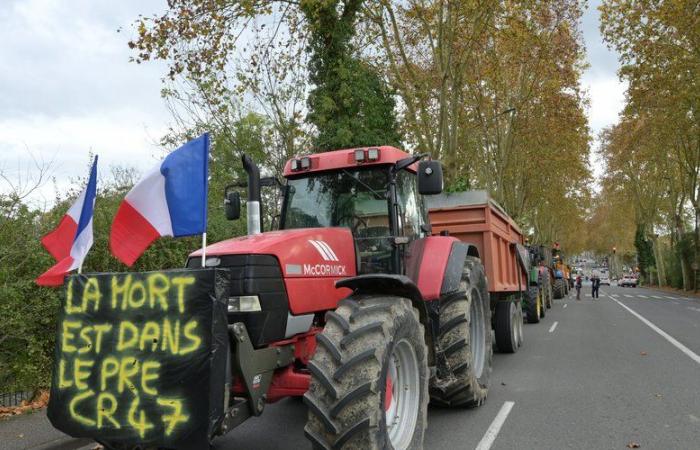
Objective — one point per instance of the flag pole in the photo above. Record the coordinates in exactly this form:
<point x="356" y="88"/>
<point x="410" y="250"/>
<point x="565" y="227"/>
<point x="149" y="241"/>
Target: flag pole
<point x="204" y="248"/>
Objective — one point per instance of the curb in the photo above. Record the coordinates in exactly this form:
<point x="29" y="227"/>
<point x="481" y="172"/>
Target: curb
<point x="65" y="443"/>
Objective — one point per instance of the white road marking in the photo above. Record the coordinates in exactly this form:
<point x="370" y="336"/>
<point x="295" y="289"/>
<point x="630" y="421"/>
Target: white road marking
<point x="642" y="296"/>
<point x="491" y="434"/>
<point x="614" y="295"/>
<point x="692" y="355"/>
<point x="694" y="309"/>
<point x="628" y="296"/>
<point x="553" y="327"/>
<point x="670" y="298"/>
<point x="565" y="305"/>
<point x="656" y="296"/>
<point x="588" y="295"/>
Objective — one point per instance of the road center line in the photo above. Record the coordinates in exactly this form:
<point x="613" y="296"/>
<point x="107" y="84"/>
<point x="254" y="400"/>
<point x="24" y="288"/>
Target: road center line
<point x="692" y="355"/>
<point x="491" y="434"/>
<point x="553" y="327"/>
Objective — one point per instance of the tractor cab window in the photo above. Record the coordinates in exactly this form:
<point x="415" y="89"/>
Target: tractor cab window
<point x="355" y="199"/>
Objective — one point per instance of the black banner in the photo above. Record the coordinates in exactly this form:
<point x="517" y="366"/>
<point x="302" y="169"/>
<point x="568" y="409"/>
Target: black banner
<point x="141" y="357"/>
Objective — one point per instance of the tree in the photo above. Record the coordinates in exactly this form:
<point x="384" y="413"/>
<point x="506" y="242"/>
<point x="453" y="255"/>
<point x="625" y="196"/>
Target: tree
<point x="659" y="45"/>
<point x="350" y="104"/>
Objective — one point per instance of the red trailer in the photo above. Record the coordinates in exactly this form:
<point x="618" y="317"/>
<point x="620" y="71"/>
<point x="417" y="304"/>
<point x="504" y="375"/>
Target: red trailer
<point x="477" y="219"/>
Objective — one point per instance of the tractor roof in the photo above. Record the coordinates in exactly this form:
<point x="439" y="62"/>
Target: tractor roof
<point x="345" y="159"/>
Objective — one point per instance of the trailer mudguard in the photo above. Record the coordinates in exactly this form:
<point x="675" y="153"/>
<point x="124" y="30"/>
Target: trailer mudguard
<point x="436" y="263"/>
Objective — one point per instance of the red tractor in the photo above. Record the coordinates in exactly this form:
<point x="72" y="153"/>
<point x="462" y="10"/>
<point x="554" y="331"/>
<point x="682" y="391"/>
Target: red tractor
<point x="353" y="304"/>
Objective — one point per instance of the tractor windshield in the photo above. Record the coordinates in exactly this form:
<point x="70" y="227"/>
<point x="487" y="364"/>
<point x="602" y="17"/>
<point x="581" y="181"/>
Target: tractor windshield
<point x="355" y="199"/>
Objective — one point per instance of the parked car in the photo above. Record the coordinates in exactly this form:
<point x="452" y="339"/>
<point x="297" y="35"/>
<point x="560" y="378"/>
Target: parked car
<point x="604" y="280"/>
<point x="627" y="281"/>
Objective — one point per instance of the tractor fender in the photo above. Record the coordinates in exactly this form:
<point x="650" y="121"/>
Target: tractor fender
<point x="436" y="263"/>
<point x="382" y="284"/>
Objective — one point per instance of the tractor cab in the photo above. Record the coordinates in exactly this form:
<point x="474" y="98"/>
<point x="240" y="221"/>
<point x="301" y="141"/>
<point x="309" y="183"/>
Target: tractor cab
<point x="374" y="192"/>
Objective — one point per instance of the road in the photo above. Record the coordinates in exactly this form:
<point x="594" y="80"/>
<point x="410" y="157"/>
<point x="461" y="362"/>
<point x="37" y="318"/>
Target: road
<point x="592" y="374"/>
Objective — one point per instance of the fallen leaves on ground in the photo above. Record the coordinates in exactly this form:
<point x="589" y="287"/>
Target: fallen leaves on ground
<point x="643" y="353"/>
<point x="39" y="401"/>
<point x="633" y="445"/>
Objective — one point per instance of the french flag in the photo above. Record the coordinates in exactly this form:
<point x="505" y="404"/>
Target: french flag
<point x="170" y="200"/>
<point x="70" y="242"/>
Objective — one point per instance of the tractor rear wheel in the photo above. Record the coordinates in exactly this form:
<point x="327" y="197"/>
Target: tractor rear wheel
<point x="369" y="377"/>
<point x="509" y="326"/>
<point x="534" y="306"/>
<point x="547" y="290"/>
<point x="559" y="288"/>
<point x="466" y="341"/>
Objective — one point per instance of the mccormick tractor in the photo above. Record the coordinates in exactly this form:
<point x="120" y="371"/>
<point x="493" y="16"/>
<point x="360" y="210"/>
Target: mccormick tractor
<point x="354" y="303"/>
<point x="376" y="315"/>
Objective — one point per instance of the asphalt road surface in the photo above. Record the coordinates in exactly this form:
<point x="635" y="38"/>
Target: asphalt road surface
<point x="596" y="374"/>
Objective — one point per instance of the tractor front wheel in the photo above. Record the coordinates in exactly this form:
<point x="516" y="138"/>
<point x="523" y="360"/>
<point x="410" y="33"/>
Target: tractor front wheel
<point x="534" y="308"/>
<point x="369" y="377"/>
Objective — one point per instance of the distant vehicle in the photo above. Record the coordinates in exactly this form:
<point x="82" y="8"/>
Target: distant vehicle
<point x="627" y="281"/>
<point x="604" y="280"/>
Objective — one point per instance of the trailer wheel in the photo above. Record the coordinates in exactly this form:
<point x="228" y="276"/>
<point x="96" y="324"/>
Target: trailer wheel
<point x="519" y="323"/>
<point x="508" y="326"/>
<point x="369" y="377"/>
<point x="466" y="342"/>
<point x="559" y="288"/>
<point x="534" y="308"/>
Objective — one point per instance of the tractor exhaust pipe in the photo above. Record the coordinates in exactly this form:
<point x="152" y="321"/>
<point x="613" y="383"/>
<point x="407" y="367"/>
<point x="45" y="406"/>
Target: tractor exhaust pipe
<point x="253" y="207"/>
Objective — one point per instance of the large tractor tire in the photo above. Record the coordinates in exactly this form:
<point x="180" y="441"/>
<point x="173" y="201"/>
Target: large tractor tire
<point x="509" y="326"/>
<point x="466" y="341"/>
<point x="547" y="290"/>
<point x="559" y="288"/>
<point x="369" y="377"/>
<point x="534" y="308"/>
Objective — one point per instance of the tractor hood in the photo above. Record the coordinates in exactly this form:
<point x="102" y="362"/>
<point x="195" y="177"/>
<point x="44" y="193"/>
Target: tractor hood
<point x="311" y="259"/>
<point x="306" y="252"/>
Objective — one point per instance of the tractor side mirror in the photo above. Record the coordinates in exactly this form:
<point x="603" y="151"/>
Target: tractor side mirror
<point x="232" y="204"/>
<point x="429" y="177"/>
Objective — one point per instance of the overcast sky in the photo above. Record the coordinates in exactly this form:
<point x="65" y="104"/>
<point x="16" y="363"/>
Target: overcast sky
<point x="67" y="87"/>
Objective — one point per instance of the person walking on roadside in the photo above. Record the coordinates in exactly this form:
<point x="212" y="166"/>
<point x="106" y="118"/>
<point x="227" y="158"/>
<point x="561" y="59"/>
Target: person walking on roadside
<point x="578" y="285"/>
<point x="595" y="285"/>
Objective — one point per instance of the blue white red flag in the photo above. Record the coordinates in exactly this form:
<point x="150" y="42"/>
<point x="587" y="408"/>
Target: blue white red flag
<point x="170" y="200"/>
<point x="70" y="242"/>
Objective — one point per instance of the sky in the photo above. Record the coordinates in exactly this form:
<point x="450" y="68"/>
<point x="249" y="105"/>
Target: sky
<point x="67" y="89"/>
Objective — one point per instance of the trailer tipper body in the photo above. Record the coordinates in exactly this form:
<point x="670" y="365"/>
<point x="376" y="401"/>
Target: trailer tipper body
<point x="474" y="217"/>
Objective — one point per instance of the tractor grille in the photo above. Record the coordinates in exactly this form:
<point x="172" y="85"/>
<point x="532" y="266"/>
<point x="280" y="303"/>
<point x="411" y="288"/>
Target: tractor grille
<point x="259" y="275"/>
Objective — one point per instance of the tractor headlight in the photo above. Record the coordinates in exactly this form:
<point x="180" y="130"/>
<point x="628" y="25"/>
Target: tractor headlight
<point x="244" y="303"/>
